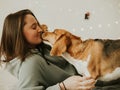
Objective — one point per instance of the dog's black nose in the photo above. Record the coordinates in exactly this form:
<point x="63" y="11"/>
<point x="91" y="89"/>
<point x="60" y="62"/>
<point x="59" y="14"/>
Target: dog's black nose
<point x="41" y="32"/>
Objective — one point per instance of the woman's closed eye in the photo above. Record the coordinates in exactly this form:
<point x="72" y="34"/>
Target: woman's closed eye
<point x="34" y="26"/>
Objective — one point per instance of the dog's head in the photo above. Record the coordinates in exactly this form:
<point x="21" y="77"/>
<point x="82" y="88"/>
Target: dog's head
<point x="52" y="37"/>
<point x="60" y="39"/>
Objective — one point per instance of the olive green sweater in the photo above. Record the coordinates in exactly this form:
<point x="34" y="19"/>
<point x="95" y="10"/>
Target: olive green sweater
<point x="35" y="73"/>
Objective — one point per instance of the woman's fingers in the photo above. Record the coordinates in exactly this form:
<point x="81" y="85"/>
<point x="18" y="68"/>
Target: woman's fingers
<point x="86" y="83"/>
<point x="79" y="83"/>
<point x="86" y="87"/>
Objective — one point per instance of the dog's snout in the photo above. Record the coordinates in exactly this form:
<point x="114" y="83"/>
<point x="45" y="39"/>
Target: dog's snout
<point x="43" y="35"/>
<point x="41" y="32"/>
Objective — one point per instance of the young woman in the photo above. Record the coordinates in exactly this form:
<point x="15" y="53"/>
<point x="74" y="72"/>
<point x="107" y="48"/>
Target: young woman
<point x="28" y="59"/>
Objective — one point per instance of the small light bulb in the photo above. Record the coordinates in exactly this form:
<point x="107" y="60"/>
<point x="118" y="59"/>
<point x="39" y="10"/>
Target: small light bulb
<point x="69" y="10"/>
<point x="91" y="27"/>
<point x="82" y="29"/>
<point x="99" y="25"/>
<point x="116" y="22"/>
<point x="108" y="25"/>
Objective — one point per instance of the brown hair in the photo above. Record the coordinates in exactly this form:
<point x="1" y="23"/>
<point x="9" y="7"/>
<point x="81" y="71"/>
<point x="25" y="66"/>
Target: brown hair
<point x="13" y="43"/>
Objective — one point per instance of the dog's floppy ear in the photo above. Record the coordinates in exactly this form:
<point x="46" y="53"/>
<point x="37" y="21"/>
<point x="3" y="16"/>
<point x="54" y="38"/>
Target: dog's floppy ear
<point x="44" y="27"/>
<point x="60" y="46"/>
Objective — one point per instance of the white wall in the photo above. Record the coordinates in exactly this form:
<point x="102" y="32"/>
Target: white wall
<point x="104" y="19"/>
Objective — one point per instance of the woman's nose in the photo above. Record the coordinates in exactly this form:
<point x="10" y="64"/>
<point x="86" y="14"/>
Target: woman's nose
<point x="40" y="30"/>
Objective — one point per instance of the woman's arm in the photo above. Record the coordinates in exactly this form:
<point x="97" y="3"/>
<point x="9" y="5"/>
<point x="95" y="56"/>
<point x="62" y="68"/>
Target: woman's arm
<point x="31" y="77"/>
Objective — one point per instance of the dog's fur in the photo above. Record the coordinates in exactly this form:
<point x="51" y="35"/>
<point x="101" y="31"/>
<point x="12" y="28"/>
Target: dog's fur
<point x="101" y="58"/>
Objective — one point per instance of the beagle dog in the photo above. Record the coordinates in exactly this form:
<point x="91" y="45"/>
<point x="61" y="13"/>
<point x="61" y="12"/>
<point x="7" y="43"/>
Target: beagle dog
<point x="98" y="58"/>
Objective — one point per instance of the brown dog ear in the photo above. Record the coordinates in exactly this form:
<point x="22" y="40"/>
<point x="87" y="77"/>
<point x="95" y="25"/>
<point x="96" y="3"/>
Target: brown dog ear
<point x="44" y="27"/>
<point x="60" y="46"/>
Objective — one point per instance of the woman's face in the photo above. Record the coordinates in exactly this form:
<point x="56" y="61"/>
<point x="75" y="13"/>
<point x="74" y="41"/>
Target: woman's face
<point x="32" y="30"/>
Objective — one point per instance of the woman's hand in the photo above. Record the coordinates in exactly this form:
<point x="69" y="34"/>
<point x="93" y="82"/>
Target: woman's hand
<point x="78" y="83"/>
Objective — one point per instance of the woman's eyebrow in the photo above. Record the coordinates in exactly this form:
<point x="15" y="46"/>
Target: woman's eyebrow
<point x="35" y="23"/>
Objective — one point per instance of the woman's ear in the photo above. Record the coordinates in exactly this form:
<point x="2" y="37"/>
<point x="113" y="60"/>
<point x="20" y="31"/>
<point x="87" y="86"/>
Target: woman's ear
<point x="60" y="46"/>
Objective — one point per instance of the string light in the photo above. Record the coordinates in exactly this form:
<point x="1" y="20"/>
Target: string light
<point x="91" y="27"/>
<point x="70" y="10"/>
<point x="99" y="25"/>
<point x="116" y="22"/>
<point x="82" y="29"/>
<point x="108" y="25"/>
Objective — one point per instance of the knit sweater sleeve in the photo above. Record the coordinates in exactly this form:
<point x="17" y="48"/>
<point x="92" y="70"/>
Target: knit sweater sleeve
<point x="30" y="75"/>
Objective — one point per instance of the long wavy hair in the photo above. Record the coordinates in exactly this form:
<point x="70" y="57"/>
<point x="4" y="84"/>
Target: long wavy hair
<point x="13" y="43"/>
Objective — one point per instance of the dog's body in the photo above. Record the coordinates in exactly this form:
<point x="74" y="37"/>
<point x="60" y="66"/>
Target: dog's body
<point x="94" y="57"/>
